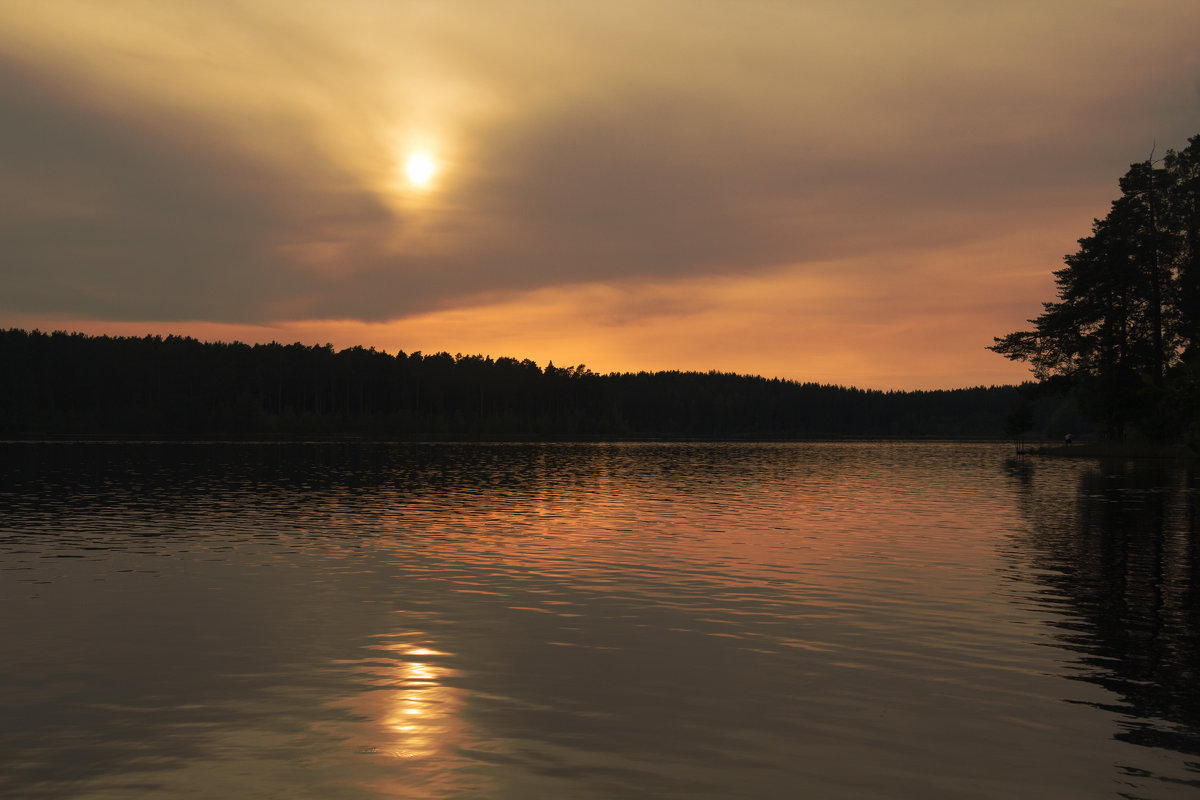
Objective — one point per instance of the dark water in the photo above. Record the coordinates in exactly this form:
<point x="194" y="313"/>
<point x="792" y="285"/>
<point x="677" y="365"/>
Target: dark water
<point x="595" y="621"/>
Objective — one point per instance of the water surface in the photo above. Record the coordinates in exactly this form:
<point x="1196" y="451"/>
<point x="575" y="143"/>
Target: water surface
<point x="862" y="620"/>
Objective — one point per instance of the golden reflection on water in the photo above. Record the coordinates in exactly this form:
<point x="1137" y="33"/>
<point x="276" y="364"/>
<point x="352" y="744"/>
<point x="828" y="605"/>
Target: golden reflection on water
<point x="407" y="715"/>
<point x="420" y="718"/>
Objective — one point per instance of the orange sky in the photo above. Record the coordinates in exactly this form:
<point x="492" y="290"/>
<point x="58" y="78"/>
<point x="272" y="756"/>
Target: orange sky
<point x="858" y="193"/>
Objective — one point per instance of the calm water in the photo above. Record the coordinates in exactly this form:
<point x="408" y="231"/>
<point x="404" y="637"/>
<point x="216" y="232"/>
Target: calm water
<point x="856" y="620"/>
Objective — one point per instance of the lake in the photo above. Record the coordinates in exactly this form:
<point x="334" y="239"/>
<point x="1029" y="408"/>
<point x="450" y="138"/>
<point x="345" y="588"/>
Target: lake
<point x="659" y="620"/>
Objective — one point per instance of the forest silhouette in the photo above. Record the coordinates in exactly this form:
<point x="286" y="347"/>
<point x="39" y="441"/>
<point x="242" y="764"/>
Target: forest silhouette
<point x="70" y="384"/>
<point x="1124" y="334"/>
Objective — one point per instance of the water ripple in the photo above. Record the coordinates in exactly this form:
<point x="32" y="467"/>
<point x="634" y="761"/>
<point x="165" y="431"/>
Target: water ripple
<point x="843" y="620"/>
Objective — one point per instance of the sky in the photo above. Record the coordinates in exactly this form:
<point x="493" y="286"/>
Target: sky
<point x="860" y="192"/>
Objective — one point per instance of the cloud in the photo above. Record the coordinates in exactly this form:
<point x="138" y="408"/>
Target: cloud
<point x="121" y="212"/>
<point x="102" y="218"/>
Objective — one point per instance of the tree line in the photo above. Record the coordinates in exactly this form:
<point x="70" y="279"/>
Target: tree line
<point x="68" y="384"/>
<point x="1124" y="333"/>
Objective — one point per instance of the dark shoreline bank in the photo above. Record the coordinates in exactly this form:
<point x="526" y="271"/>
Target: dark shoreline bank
<point x="351" y="439"/>
<point x="1117" y="450"/>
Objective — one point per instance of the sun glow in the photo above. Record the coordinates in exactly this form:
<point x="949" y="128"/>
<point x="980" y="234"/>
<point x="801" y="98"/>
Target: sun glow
<point x="420" y="169"/>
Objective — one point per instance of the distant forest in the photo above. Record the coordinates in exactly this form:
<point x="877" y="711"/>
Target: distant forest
<point x="69" y="384"/>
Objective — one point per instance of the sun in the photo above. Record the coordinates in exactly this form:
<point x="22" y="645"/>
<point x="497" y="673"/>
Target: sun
<point x="420" y="169"/>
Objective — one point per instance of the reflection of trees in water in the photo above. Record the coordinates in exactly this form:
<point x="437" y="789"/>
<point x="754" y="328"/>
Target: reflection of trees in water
<point x="1117" y="545"/>
<point x="193" y="489"/>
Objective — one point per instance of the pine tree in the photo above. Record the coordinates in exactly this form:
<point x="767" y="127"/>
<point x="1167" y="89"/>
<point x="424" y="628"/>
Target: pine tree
<point x="1125" y="326"/>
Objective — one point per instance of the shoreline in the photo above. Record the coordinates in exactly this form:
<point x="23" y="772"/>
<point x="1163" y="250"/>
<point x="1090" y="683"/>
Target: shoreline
<point x="433" y="439"/>
<point x="1119" y="450"/>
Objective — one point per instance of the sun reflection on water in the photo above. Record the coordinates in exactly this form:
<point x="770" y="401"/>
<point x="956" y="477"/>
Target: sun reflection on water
<point x="417" y="713"/>
<point x="407" y="719"/>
